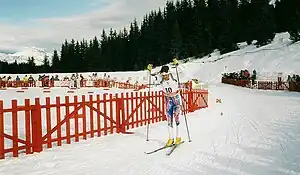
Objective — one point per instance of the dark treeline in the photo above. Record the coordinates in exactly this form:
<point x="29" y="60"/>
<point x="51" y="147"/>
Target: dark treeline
<point x="183" y="28"/>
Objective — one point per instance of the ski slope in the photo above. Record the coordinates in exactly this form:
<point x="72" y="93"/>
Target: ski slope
<point x="281" y="56"/>
<point x="252" y="132"/>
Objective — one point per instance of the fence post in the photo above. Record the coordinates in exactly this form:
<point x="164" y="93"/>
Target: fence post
<point x="118" y="111"/>
<point x="122" y="112"/>
<point x="15" y="130"/>
<point x="163" y="108"/>
<point x="37" y="141"/>
<point x="1" y="131"/>
<point x="190" y="98"/>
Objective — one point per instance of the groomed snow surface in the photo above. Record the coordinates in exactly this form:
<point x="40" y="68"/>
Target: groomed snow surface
<point x="258" y="133"/>
<point x="250" y="132"/>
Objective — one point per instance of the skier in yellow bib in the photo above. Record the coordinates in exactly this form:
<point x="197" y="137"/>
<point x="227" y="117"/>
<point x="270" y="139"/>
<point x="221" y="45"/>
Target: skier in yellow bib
<point x="173" y="103"/>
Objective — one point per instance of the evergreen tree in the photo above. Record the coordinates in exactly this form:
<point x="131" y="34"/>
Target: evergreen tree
<point x="213" y="26"/>
<point x="13" y="68"/>
<point x="226" y="39"/>
<point x="244" y="21"/>
<point x="105" y="51"/>
<point x="83" y="55"/>
<point x="46" y="64"/>
<point x="176" y="41"/>
<point x="262" y="21"/>
<point x="201" y="37"/>
<point x="31" y="66"/>
<point x="291" y="12"/>
<point x="78" y="61"/>
<point x="64" y="63"/>
<point x="55" y="62"/>
<point x="134" y="33"/>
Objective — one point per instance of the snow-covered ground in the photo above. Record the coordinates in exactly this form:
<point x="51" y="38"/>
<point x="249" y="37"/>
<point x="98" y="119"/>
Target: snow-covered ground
<point x="251" y="132"/>
<point x="249" y="138"/>
<point x="278" y="57"/>
<point x="34" y="92"/>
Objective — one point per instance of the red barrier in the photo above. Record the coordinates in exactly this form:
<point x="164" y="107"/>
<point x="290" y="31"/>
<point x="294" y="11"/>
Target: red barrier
<point x="34" y="126"/>
<point x="265" y="85"/>
<point x="2" y="153"/>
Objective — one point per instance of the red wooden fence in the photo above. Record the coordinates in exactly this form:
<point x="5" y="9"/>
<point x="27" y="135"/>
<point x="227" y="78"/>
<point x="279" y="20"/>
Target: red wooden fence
<point x="33" y="127"/>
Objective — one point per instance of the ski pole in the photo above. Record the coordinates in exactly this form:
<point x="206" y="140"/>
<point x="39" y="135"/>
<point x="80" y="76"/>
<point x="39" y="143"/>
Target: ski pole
<point x="149" y="68"/>
<point x="175" y="62"/>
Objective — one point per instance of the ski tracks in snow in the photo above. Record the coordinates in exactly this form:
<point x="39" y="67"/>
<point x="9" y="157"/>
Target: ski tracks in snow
<point x="263" y="127"/>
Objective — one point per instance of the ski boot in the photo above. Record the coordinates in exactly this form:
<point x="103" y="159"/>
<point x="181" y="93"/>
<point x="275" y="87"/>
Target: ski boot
<point x="170" y="142"/>
<point x="178" y="141"/>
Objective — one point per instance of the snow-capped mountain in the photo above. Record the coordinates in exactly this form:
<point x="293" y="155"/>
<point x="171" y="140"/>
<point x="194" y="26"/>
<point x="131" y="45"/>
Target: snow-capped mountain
<point x="22" y="56"/>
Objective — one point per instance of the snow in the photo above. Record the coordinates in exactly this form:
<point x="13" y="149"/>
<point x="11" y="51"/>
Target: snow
<point x="22" y="55"/>
<point x="32" y="93"/>
<point x="251" y="132"/>
<point x="247" y="139"/>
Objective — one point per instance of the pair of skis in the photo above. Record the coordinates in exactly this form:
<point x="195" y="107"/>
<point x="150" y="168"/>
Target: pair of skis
<point x="169" y="152"/>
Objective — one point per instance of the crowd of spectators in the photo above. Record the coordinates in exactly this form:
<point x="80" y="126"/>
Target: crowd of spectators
<point x="75" y="80"/>
<point x="236" y="77"/>
<point x="294" y="82"/>
<point x="241" y="75"/>
<point x="295" y="78"/>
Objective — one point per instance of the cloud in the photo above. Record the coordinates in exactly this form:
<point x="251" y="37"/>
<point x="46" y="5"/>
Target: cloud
<point x="49" y="33"/>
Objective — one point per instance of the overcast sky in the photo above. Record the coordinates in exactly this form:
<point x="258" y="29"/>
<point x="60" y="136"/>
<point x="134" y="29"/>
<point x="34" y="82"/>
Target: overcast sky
<point x="47" y="23"/>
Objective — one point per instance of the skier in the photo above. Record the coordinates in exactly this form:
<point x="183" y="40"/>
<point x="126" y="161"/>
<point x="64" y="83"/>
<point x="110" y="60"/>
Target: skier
<point x="173" y="103"/>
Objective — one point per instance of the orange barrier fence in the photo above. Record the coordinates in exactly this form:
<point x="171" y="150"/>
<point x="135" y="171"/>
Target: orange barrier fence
<point x="35" y="126"/>
<point x="265" y="85"/>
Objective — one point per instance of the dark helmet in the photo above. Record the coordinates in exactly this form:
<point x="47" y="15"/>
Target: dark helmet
<point x="164" y="69"/>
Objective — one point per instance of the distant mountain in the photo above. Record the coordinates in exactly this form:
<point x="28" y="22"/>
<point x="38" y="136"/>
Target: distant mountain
<point x="22" y="56"/>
